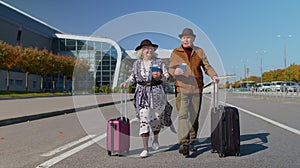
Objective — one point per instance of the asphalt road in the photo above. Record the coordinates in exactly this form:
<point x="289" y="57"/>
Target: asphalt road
<point x="269" y="138"/>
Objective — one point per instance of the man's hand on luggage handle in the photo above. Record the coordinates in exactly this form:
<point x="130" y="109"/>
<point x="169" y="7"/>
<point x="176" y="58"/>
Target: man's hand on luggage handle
<point x="215" y="79"/>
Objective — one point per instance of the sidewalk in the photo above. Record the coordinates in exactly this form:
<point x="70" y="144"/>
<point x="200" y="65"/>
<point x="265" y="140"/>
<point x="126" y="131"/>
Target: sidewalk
<point x="14" y="111"/>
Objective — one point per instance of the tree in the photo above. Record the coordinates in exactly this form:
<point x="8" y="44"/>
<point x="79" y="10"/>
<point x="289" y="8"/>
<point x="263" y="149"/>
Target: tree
<point x="292" y="73"/>
<point x="252" y="78"/>
<point x="42" y="64"/>
<point x="54" y="66"/>
<point x="29" y="62"/>
<point x="275" y="75"/>
<point x="68" y="64"/>
<point x="10" y="57"/>
<point x="236" y="84"/>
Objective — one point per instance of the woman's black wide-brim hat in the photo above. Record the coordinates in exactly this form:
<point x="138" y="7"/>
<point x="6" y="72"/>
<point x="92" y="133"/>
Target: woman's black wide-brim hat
<point x="146" y="42"/>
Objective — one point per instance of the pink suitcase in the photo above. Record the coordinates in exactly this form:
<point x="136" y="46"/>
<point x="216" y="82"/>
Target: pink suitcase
<point x="118" y="133"/>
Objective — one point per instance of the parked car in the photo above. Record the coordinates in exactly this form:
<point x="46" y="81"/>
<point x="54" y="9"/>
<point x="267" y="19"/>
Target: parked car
<point x="258" y="87"/>
<point x="266" y="86"/>
<point x="263" y="87"/>
<point x="283" y="87"/>
<point x="275" y="86"/>
<point x="292" y="86"/>
<point x="289" y="86"/>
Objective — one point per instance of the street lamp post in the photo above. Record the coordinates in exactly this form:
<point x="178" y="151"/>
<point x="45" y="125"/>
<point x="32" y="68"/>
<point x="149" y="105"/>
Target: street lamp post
<point x="284" y="47"/>
<point x="261" y="64"/>
<point x="246" y="70"/>
<point x="261" y="77"/>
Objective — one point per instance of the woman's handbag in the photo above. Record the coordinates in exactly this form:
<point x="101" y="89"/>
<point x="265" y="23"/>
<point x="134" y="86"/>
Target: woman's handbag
<point x="165" y="117"/>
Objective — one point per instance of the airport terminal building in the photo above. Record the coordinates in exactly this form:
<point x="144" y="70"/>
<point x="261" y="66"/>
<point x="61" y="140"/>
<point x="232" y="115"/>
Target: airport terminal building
<point x="18" y="28"/>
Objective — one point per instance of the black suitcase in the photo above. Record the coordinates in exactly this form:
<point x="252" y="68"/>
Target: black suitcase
<point x="225" y="129"/>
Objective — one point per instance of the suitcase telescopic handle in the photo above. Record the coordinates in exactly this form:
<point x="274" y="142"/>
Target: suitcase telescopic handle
<point x="215" y="95"/>
<point x="123" y="103"/>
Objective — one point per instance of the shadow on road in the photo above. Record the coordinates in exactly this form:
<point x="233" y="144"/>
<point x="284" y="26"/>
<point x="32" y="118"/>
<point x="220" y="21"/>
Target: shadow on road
<point x="203" y="145"/>
<point x="254" y="147"/>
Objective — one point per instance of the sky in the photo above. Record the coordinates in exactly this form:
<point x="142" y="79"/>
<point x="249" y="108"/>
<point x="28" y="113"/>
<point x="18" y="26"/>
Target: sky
<point x="241" y="31"/>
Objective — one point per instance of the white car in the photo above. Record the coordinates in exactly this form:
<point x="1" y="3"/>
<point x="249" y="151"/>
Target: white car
<point x="292" y="86"/>
<point x="275" y="86"/>
<point x="266" y="86"/>
<point x="289" y="86"/>
<point x="258" y="87"/>
<point x="263" y="87"/>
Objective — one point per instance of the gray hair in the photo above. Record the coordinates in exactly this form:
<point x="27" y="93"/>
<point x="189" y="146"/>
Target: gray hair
<point x="139" y="54"/>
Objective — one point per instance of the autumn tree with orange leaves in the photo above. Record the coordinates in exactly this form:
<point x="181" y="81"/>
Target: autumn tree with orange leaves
<point x="31" y="60"/>
<point x="67" y="67"/>
<point x="9" y="58"/>
<point x="28" y="62"/>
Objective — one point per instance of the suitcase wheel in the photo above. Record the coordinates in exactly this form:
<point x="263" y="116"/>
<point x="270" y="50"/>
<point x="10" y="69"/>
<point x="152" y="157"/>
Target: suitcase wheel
<point x="213" y="151"/>
<point x="123" y="153"/>
<point x="221" y="155"/>
<point x="109" y="153"/>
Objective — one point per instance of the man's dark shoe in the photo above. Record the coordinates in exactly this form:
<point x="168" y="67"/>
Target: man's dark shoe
<point x="184" y="149"/>
<point x="192" y="148"/>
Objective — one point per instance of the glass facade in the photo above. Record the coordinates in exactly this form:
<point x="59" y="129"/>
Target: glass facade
<point x="102" y="56"/>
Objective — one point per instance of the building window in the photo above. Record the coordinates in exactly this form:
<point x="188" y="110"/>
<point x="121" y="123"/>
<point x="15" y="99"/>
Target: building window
<point x="105" y="73"/>
<point x="105" y="62"/>
<point x="62" y="45"/>
<point x="11" y="82"/>
<point x="106" y="79"/>
<point x="71" y="44"/>
<point x="105" y="67"/>
<point x="19" y="82"/>
<point x="90" y="45"/>
<point x="34" y="84"/>
<point x="80" y="45"/>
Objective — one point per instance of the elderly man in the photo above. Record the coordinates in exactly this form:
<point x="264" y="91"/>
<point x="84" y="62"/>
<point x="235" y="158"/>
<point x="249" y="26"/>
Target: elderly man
<point x="185" y="66"/>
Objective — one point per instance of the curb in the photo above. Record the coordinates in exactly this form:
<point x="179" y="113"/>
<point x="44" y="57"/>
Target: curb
<point x="17" y="120"/>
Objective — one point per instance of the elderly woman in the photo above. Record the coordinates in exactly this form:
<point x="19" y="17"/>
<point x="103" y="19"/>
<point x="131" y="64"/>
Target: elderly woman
<point x="150" y="99"/>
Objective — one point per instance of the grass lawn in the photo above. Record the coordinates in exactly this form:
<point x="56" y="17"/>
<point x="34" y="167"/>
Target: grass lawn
<point x="16" y="94"/>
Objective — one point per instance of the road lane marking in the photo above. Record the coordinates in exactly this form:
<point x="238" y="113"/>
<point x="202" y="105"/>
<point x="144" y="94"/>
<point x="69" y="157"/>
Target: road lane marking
<point x="67" y="146"/>
<point x="69" y="153"/>
<point x="59" y="158"/>
<point x="278" y="124"/>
